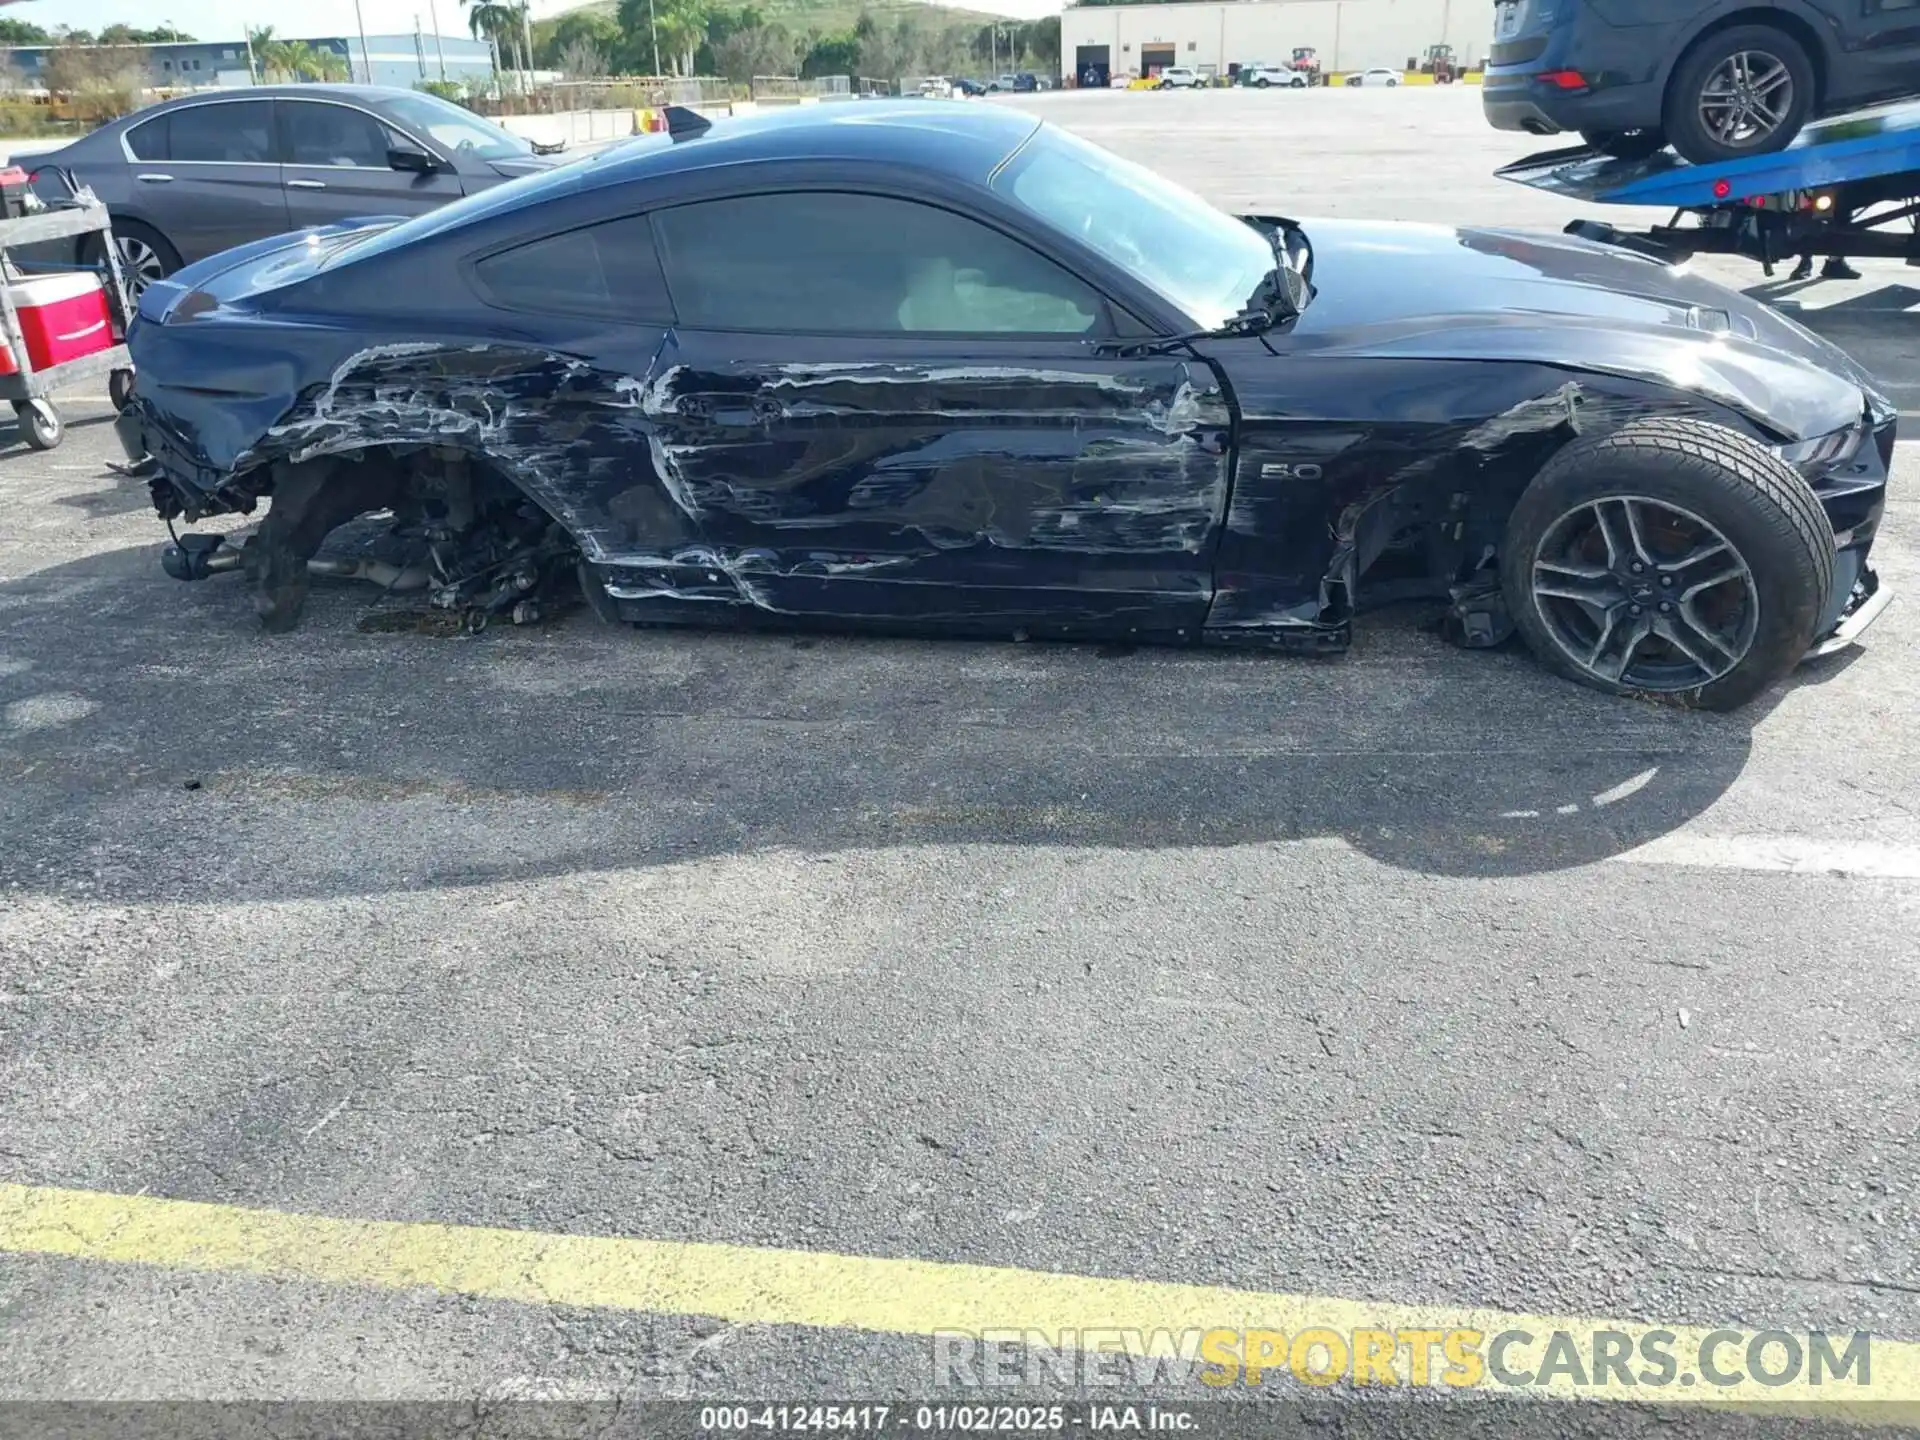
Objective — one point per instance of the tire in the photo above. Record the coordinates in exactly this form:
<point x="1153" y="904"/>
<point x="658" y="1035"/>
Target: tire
<point x="1767" y="52"/>
<point x="120" y="389"/>
<point x="1262" y="84"/>
<point x="1626" y="144"/>
<point x="1392" y="83"/>
<point x="40" y="424"/>
<point x="1687" y="484"/>
<point x="1296" y="84"/>
<point x="146" y="255"/>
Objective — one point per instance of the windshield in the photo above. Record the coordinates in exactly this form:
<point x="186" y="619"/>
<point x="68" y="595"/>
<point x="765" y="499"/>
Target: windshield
<point x="1202" y="260"/>
<point x="454" y="129"/>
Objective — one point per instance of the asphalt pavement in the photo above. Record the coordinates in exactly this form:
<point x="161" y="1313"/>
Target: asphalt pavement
<point x="1416" y="977"/>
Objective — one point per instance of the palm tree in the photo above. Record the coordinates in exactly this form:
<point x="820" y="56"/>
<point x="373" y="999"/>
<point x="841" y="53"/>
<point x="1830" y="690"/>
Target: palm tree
<point x="298" y="60"/>
<point x="329" y="65"/>
<point x="491" y="20"/>
<point x="280" y="58"/>
<point x="258" y="38"/>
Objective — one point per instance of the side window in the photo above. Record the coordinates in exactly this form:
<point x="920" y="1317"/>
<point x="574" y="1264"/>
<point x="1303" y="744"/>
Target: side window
<point x="320" y="134"/>
<point x="239" y="132"/>
<point x="148" y="141"/>
<point x="609" y="269"/>
<point x="821" y="263"/>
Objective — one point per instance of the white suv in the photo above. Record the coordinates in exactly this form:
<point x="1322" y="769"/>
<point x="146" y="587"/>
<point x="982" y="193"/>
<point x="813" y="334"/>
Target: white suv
<point x="1179" y="77"/>
<point x="1265" y="76"/>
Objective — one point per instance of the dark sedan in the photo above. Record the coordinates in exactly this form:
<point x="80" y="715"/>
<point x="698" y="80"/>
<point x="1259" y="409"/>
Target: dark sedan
<point x="942" y="368"/>
<point x="195" y="176"/>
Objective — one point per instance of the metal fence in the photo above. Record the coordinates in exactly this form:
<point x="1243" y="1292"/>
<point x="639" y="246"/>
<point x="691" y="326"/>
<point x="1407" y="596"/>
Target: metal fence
<point x="791" y="89"/>
<point x="616" y="92"/>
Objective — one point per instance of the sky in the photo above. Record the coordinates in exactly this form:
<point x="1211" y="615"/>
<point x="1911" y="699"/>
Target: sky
<point x="227" y="19"/>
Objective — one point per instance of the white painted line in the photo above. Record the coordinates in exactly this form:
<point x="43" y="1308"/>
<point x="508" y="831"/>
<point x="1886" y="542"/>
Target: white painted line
<point x="1780" y="854"/>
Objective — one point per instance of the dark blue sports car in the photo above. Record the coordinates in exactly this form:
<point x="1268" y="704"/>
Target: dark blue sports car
<point x="942" y="368"/>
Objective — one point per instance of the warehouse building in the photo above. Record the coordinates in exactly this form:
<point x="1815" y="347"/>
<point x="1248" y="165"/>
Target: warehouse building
<point x="1216" y="38"/>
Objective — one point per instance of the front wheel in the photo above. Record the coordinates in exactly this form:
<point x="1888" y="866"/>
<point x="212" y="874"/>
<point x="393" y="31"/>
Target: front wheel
<point x="1262" y="84"/>
<point x="1673" y="559"/>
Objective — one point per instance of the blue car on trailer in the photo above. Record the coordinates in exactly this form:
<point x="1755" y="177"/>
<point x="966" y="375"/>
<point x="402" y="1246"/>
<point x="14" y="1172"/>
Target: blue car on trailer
<point x="1847" y="186"/>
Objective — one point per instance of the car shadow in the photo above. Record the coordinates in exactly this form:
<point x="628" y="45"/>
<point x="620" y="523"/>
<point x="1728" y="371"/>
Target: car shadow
<point x="117" y="495"/>
<point x="13" y="444"/>
<point x="1873" y="322"/>
<point x="155" y="744"/>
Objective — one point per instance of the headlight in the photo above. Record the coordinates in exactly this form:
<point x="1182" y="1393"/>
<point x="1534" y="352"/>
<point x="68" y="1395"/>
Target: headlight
<point x="1822" y="452"/>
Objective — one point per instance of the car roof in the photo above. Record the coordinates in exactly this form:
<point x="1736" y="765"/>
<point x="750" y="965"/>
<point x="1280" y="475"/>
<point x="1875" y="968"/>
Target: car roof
<point x="363" y="94"/>
<point x="961" y="141"/>
<point x="952" y="139"/>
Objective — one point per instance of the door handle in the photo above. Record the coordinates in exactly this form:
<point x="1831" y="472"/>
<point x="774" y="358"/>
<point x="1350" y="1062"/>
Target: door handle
<point x="155" y="179"/>
<point x="306" y="184"/>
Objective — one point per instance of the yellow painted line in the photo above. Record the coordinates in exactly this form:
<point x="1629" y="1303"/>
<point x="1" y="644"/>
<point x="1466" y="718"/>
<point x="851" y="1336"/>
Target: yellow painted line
<point x="798" y="1288"/>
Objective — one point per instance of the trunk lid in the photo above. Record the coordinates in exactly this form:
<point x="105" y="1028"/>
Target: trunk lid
<point x="237" y="275"/>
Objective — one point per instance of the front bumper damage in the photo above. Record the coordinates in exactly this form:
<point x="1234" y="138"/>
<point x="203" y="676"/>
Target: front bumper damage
<point x="1864" y="607"/>
<point x="1854" y="497"/>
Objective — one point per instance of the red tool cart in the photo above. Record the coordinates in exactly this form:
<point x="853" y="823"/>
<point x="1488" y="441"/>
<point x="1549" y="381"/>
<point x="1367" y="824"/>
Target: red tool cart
<point x="60" y="328"/>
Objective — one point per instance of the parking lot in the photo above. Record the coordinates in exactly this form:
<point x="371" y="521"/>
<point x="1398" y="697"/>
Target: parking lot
<point x="1417" y="978"/>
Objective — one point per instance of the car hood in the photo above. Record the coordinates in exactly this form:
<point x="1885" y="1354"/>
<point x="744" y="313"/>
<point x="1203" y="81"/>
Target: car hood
<point x="526" y="165"/>
<point x="1422" y="291"/>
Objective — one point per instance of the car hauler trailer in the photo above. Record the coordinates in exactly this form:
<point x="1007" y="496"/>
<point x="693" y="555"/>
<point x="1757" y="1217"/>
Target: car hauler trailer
<point x="1847" y="186"/>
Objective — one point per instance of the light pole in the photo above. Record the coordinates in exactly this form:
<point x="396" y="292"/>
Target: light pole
<point x="654" y="26"/>
<point x="366" y="61"/>
<point x="433" y="13"/>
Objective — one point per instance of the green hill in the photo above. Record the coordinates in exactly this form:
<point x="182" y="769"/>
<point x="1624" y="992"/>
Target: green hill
<point x="829" y="15"/>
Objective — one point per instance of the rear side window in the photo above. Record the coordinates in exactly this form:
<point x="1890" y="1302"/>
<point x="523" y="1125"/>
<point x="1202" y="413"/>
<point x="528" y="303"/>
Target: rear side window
<point x="604" y="270"/>
<point x="820" y="263"/>
<point x="149" y="141"/>
<point x="237" y="132"/>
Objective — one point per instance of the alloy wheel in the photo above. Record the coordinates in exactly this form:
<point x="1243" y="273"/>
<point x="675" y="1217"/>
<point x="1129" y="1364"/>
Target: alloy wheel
<point x="1640" y="593"/>
<point x="1746" y="98"/>
<point x="140" y="263"/>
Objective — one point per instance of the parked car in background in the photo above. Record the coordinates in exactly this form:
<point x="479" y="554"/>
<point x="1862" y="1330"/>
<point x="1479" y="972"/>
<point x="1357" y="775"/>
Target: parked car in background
<point x="1263" y="77"/>
<point x="1180" y="77"/>
<point x="1379" y="75"/>
<point x="969" y="87"/>
<point x="1638" y="75"/>
<point x="937" y="87"/>
<point x="191" y="177"/>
